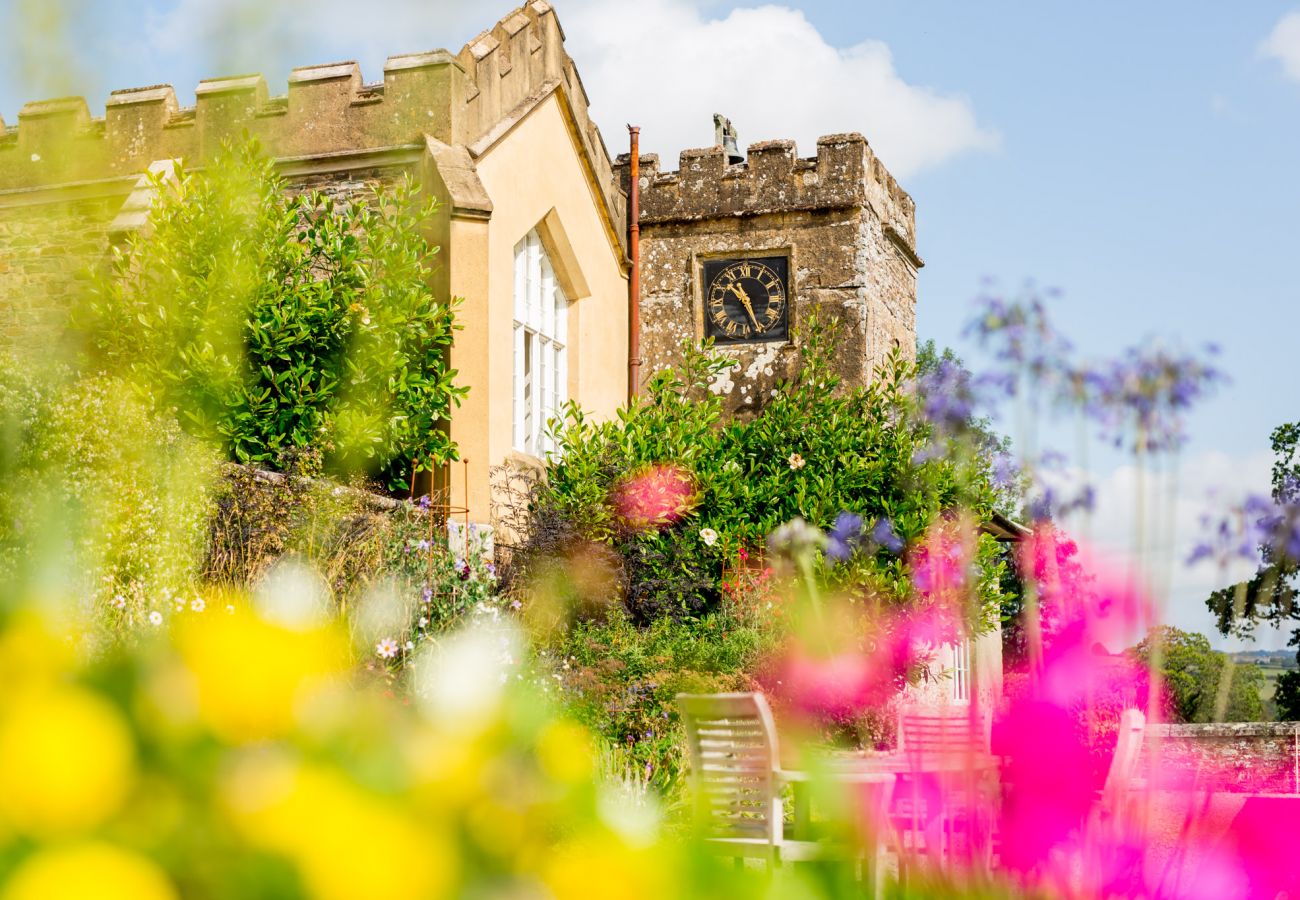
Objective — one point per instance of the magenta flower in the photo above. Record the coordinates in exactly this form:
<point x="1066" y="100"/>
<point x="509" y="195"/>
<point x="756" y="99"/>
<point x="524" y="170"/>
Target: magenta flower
<point x="941" y="566"/>
<point x="655" y="496"/>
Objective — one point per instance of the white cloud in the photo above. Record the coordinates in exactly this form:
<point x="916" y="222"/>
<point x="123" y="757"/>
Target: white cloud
<point x="1172" y="509"/>
<point x="670" y="67"/>
<point x="273" y="37"/>
<point x="663" y="64"/>
<point x="1283" y="44"/>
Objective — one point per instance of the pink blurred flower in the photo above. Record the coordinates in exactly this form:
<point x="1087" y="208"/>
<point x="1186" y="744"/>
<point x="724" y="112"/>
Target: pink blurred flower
<point x="1082" y="594"/>
<point x="655" y="496"/>
<point x="833" y="685"/>
<point x="941" y="566"/>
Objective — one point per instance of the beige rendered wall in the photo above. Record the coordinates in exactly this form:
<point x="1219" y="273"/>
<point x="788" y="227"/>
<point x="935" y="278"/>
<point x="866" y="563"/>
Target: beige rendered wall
<point x="536" y="178"/>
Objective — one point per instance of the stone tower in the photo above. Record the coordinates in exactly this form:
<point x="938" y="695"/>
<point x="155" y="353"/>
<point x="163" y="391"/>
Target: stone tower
<point x="836" y="231"/>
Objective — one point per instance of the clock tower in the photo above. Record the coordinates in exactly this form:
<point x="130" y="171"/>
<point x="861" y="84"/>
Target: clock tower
<point x="744" y="252"/>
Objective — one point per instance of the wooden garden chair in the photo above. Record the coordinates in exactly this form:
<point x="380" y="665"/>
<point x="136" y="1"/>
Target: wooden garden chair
<point x="737" y="779"/>
<point x="946" y="782"/>
<point x="1121" y="777"/>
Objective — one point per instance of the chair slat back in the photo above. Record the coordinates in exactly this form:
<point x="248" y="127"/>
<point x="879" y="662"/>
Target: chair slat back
<point x="1123" y="765"/>
<point x="733" y="751"/>
<point x="928" y="735"/>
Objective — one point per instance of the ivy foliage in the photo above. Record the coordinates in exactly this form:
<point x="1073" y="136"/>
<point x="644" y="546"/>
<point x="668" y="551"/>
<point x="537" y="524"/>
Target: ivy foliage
<point x="273" y="322"/>
<point x="816" y="449"/>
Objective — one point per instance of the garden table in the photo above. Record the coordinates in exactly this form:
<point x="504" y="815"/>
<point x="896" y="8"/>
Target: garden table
<point x="864" y="768"/>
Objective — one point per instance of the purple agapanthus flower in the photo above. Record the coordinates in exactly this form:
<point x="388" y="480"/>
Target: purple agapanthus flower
<point x="1142" y="397"/>
<point x="1005" y="471"/>
<point x="946" y="396"/>
<point x="1021" y="338"/>
<point x="1259" y="523"/>
<point x="884" y="534"/>
<point x="844" y="536"/>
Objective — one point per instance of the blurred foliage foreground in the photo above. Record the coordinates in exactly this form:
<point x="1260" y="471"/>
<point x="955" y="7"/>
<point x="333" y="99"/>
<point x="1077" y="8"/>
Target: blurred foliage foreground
<point x="244" y="737"/>
<point x="219" y="684"/>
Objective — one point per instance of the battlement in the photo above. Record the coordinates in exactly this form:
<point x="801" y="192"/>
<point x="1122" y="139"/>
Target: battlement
<point x="845" y="174"/>
<point x="459" y="99"/>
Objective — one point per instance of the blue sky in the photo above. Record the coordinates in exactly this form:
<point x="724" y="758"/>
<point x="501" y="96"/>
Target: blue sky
<point x="1140" y="157"/>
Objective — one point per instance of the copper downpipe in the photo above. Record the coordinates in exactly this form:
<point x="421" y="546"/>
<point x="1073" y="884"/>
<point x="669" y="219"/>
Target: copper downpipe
<point x="634" y="276"/>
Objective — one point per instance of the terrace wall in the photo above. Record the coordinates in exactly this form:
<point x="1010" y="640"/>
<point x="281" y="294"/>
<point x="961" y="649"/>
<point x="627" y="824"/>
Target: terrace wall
<point x="1235" y="757"/>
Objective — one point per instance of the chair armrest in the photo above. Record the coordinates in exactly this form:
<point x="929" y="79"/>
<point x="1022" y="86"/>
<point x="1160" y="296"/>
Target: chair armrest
<point x="792" y="776"/>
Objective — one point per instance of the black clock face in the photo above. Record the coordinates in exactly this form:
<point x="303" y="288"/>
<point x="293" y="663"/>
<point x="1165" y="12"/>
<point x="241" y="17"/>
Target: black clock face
<point x="747" y="299"/>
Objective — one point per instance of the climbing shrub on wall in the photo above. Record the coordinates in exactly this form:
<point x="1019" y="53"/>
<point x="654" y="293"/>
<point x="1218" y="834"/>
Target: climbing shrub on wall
<point x="814" y="452"/>
<point x="274" y="322"/>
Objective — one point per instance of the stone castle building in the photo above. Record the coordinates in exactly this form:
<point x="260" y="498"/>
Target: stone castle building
<point x="841" y="225"/>
<point x="533" y="226"/>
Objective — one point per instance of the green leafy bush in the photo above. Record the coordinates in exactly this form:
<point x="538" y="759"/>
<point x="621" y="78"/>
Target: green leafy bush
<point x="274" y="322"/>
<point x="700" y="608"/>
<point x="125" y="490"/>
<point x="815" y="450"/>
<point x="621" y="678"/>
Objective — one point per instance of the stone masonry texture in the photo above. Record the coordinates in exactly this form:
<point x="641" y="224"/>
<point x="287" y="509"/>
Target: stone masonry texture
<point x="64" y="174"/>
<point x="1237" y="757"/>
<point x="847" y="226"/>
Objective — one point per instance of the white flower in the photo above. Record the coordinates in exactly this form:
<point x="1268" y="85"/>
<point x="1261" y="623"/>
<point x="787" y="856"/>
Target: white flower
<point x="155" y="618"/>
<point x="387" y="648"/>
<point x="119" y="602"/>
<point x="796" y="461"/>
<point x="424" y="621"/>
<point x="709" y="536"/>
<point x="410" y="645"/>
<point x="197" y="604"/>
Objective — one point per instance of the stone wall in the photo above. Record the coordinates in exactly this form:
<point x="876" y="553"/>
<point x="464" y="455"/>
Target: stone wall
<point x="65" y="175"/>
<point x="1237" y="757"/>
<point x="847" y="226"/>
<point x="459" y="99"/>
<point x="44" y="255"/>
<point x="48" y="249"/>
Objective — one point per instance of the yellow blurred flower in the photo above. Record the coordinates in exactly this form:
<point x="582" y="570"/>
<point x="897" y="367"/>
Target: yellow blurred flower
<point x="90" y="871"/>
<point x="251" y="676"/>
<point x="30" y="653"/>
<point x="446" y="770"/>
<point x="564" y="752"/>
<point x="600" y="867"/>
<point x="348" y="843"/>
<point x="67" y="761"/>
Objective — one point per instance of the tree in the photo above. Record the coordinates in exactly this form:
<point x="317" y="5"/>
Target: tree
<point x="1194" y="676"/>
<point x="1270" y="595"/>
<point x="274" y="322"/>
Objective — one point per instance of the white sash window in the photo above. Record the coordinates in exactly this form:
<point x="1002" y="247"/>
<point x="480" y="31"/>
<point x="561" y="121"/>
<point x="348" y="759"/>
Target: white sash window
<point x="961" y="670"/>
<point x="541" y="369"/>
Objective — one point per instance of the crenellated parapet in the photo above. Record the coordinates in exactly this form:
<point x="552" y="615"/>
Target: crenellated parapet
<point x="457" y="99"/>
<point x="845" y="174"/>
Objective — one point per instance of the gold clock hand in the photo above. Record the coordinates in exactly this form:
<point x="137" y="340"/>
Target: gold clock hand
<point x="749" y="308"/>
